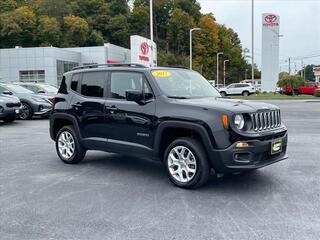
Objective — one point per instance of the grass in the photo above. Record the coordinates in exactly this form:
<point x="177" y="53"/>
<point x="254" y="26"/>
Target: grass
<point x="275" y="96"/>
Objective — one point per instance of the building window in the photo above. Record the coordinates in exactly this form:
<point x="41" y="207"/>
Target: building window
<point x="62" y="67"/>
<point x="32" y="76"/>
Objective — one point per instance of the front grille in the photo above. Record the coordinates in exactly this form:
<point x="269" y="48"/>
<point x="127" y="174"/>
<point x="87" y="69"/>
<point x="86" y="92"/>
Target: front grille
<point x="11" y="105"/>
<point x="263" y="121"/>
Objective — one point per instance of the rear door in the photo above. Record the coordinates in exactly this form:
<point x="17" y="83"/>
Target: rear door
<point x="88" y="103"/>
<point x="131" y="123"/>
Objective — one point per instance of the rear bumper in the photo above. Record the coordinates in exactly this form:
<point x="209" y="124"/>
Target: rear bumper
<point x="257" y="155"/>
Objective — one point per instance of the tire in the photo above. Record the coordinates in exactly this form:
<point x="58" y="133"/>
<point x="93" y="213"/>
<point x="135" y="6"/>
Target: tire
<point x="26" y="112"/>
<point x="245" y="93"/>
<point x="69" y="157"/>
<point x="198" y="160"/>
<point x="295" y="92"/>
<point x="9" y="119"/>
<point x="223" y="94"/>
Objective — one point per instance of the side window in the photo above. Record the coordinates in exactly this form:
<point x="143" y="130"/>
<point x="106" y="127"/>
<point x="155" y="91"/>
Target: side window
<point x="124" y="81"/>
<point x="93" y="84"/>
<point x="74" y="82"/>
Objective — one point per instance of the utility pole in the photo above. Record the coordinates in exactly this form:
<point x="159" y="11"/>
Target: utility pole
<point x="151" y="30"/>
<point x="289" y="66"/>
<point x="252" y="50"/>
<point x="302" y="68"/>
<point x="224" y="72"/>
<point x="191" y="30"/>
<point x="218" y="54"/>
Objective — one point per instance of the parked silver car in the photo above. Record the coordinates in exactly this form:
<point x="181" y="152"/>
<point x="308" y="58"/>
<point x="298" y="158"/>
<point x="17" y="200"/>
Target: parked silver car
<point x="32" y="104"/>
<point x="39" y="88"/>
<point x="9" y="108"/>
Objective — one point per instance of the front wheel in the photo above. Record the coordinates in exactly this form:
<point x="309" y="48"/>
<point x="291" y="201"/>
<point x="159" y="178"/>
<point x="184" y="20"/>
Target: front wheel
<point x="223" y="94"/>
<point x="68" y="146"/>
<point x="245" y="93"/>
<point x="26" y="112"/>
<point x="186" y="163"/>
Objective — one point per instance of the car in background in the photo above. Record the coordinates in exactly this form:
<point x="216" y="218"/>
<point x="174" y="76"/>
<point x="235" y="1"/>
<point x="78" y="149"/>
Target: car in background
<point x="9" y="108"/>
<point x="244" y="89"/>
<point x="308" y="88"/>
<point x="40" y="88"/>
<point x="31" y="104"/>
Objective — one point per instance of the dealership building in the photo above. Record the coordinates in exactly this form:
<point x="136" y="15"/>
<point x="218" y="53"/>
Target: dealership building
<point x="47" y="64"/>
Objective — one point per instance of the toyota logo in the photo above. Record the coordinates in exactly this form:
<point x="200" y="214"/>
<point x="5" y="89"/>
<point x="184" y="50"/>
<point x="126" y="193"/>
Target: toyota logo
<point x="144" y="47"/>
<point x="271" y="18"/>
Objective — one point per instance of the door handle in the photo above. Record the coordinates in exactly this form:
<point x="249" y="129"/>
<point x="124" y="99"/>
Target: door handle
<point x="112" y="108"/>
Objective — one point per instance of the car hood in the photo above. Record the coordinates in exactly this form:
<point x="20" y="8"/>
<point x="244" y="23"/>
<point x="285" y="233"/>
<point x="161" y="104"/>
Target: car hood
<point x="9" y="98"/>
<point x="232" y="105"/>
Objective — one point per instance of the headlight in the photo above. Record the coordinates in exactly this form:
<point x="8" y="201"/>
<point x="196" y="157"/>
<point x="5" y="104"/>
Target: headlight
<point x="239" y="121"/>
<point x="1" y="100"/>
<point x="38" y="99"/>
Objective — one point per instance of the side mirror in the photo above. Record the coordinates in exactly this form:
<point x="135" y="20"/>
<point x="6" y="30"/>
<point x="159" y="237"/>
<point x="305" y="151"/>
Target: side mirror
<point x="134" y="96"/>
<point x="6" y="92"/>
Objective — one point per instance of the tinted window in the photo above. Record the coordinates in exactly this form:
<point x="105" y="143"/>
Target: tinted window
<point x="124" y="81"/>
<point x="93" y="84"/>
<point x="74" y="82"/>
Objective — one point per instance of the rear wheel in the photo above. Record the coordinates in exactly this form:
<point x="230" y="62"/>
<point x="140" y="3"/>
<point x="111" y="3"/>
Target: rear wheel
<point x="26" y="112"/>
<point x="68" y="146"/>
<point x="245" y="93"/>
<point x="223" y="94"/>
<point x="295" y="92"/>
<point x="186" y="163"/>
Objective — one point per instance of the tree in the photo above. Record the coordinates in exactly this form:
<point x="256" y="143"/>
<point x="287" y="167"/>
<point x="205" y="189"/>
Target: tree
<point x="76" y="31"/>
<point x="308" y="72"/>
<point x="95" y="39"/>
<point x="17" y="27"/>
<point x="8" y="5"/>
<point x="118" y="7"/>
<point x="178" y="33"/>
<point x="139" y="21"/>
<point x="49" y="31"/>
<point x="118" y="30"/>
<point x="292" y="81"/>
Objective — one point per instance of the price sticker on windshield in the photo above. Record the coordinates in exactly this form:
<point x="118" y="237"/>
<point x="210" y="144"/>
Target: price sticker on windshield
<point x="162" y="74"/>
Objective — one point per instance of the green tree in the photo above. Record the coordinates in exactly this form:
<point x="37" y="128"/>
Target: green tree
<point x="308" y="72"/>
<point x="178" y="33"/>
<point x="8" y="5"/>
<point x="17" y="27"/>
<point x="118" y="29"/>
<point x="95" y="39"/>
<point x="292" y="81"/>
<point x="76" y="31"/>
<point x="118" y="7"/>
<point x="49" y="31"/>
<point x="139" y="21"/>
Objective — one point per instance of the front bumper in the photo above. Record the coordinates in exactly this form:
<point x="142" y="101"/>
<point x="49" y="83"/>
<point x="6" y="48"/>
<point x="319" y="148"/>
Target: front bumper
<point x="9" y="112"/>
<point x="256" y="155"/>
<point x="42" y="109"/>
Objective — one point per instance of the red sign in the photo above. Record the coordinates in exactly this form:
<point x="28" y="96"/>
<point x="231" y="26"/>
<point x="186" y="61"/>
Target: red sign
<point x="270" y="20"/>
<point x="144" y="47"/>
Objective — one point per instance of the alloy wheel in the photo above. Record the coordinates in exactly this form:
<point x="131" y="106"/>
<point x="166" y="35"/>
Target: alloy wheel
<point x="66" y="145"/>
<point x="25" y="112"/>
<point x="182" y="164"/>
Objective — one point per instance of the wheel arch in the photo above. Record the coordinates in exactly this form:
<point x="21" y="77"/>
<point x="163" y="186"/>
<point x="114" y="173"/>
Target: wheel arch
<point x="59" y="120"/>
<point x="171" y="130"/>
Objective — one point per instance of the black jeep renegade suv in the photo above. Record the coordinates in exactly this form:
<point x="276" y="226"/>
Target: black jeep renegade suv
<point x="167" y="114"/>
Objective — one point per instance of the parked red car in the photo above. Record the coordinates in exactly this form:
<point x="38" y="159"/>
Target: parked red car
<point x="308" y="88"/>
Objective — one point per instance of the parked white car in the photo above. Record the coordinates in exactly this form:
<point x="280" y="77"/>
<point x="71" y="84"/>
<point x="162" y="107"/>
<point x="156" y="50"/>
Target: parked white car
<point x="244" y="89"/>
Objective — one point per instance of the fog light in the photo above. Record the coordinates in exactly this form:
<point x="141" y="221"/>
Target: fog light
<point x="242" y="145"/>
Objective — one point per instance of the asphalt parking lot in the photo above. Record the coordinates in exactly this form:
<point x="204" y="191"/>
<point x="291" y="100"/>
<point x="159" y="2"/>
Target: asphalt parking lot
<point x="115" y="197"/>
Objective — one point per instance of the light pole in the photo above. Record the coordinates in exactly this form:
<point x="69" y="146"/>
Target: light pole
<point x="191" y="30"/>
<point x="151" y="30"/>
<point x="218" y="54"/>
<point x="252" y="46"/>
<point x="224" y="72"/>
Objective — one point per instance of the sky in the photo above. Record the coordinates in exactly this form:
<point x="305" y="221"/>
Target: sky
<point x="299" y="25"/>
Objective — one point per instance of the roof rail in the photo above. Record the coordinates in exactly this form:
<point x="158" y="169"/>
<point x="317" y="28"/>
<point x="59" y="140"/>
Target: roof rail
<point x="110" y="65"/>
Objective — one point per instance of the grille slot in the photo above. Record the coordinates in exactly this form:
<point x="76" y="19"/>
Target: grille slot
<point x="263" y="121"/>
<point x="11" y="105"/>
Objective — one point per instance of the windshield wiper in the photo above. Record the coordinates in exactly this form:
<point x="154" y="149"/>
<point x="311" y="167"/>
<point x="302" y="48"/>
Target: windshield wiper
<point x="177" y="97"/>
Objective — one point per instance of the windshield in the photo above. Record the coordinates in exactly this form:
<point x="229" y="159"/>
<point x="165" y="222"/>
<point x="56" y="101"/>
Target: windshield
<point x="49" y="88"/>
<point x="181" y="83"/>
<point x="17" y="89"/>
